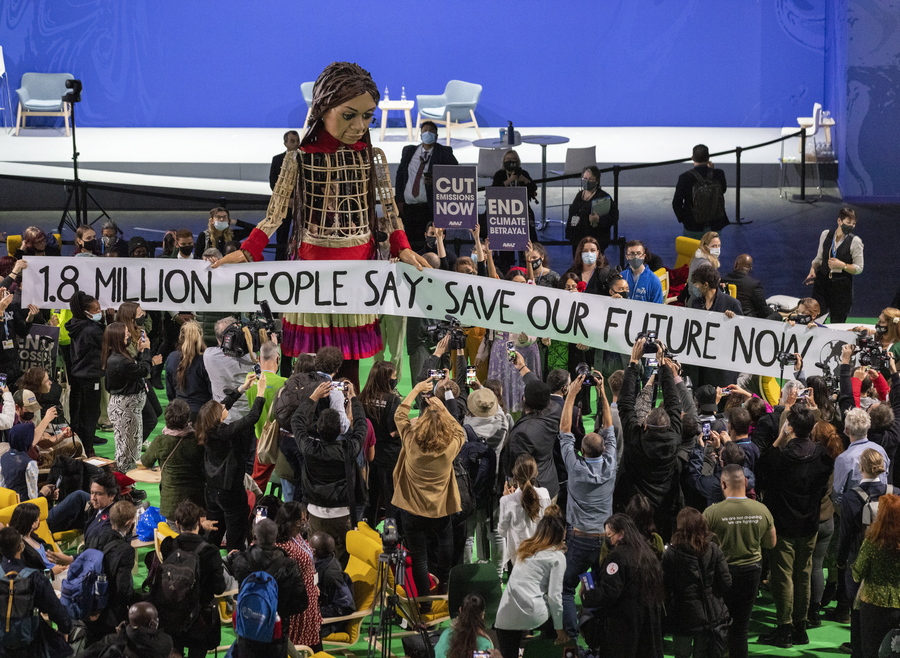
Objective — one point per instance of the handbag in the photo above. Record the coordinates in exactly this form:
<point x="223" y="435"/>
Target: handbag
<point x="267" y="445"/>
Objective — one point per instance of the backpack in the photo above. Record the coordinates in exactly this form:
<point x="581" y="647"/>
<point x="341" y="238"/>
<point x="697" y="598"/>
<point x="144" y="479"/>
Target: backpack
<point x="292" y="393"/>
<point x="19" y="626"/>
<point x="257" y="608"/>
<point x="466" y="490"/>
<point x="708" y="200"/>
<point x="176" y="591"/>
<point x="870" y="505"/>
<point x="84" y="591"/>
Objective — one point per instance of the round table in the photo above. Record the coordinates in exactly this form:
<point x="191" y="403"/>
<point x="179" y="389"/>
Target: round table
<point x="145" y="475"/>
<point x="497" y="143"/>
<point x="544" y="140"/>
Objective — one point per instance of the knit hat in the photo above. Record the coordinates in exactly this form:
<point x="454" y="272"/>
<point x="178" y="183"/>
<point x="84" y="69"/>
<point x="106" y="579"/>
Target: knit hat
<point x="136" y="243"/>
<point x="482" y="403"/>
<point x="21" y="436"/>
<point x="537" y="396"/>
<point x="706" y="399"/>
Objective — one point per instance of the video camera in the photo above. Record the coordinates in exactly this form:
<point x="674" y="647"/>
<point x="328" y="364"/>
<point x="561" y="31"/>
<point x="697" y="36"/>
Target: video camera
<point x="871" y="353"/>
<point x="584" y="369"/>
<point x="246" y="336"/>
<point x="650" y="344"/>
<point x="390" y="536"/>
<point x="786" y="359"/>
<point x="441" y="328"/>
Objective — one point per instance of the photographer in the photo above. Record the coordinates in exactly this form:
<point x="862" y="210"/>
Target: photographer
<point x="425" y="486"/>
<point x="806" y="313"/>
<point x="331" y="482"/>
<point x="512" y="175"/>
<point x="227" y="372"/>
<point x="651" y="448"/>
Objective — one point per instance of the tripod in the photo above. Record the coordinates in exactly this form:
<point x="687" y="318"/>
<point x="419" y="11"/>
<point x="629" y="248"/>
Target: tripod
<point x="78" y="195"/>
<point x="387" y="606"/>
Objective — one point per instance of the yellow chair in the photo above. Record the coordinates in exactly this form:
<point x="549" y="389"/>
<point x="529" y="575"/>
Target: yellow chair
<point x="368" y="530"/>
<point x="14" y="243"/>
<point x="732" y="290"/>
<point x="8" y="497"/>
<point x="663" y="275"/>
<point x="160" y="532"/>
<point x="365" y="587"/>
<point x="685" y="248"/>
<point x="43" y="530"/>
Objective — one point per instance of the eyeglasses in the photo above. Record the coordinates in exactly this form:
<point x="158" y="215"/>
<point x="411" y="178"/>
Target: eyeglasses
<point x="634" y="254"/>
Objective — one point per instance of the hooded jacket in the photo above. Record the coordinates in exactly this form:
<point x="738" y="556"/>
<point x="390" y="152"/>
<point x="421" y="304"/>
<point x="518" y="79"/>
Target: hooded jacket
<point x="87" y="345"/>
<point x="694" y="587"/>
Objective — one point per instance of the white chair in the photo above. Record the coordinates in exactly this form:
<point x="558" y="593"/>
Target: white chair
<point x="452" y="108"/>
<point x="307" y="90"/>
<point x="812" y="125"/>
<point x="4" y="80"/>
<point x="576" y="161"/>
<point x="41" y="96"/>
<point x="490" y="161"/>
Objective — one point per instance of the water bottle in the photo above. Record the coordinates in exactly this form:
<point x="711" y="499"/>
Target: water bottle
<point x="387" y="94"/>
<point x="402" y="93"/>
<point x="510" y="134"/>
<point x="100" y="585"/>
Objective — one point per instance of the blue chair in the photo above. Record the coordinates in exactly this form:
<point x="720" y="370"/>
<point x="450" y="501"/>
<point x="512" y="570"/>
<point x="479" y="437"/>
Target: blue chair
<point x="307" y="90"/>
<point x="452" y="108"/>
<point x="41" y="96"/>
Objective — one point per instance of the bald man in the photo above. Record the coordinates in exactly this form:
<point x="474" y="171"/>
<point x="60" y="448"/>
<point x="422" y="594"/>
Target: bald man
<point x="139" y="636"/>
<point x="749" y="290"/>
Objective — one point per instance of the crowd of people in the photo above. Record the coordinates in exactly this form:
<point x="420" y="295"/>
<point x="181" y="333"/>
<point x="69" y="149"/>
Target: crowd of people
<point x="623" y="497"/>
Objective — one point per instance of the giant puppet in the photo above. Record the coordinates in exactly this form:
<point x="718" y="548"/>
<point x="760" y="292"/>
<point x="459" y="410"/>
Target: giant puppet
<point x="329" y="186"/>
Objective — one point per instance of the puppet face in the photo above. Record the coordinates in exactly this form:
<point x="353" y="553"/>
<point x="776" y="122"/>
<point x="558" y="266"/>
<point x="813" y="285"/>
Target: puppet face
<point x="349" y="121"/>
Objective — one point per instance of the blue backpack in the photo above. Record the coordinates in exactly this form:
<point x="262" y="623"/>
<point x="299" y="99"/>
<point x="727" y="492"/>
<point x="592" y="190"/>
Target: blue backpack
<point x="257" y="608"/>
<point x="84" y="591"/>
<point x="18" y="617"/>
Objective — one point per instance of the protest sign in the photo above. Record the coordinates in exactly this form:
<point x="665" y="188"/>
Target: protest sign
<point x="506" y="216"/>
<point x="39" y="348"/>
<point x="696" y="337"/>
<point x="455" y="196"/>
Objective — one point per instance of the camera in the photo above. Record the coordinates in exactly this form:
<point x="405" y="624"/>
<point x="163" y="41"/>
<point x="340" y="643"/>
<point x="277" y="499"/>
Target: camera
<point x="649" y="341"/>
<point x="450" y="325"/>
<point x="871" y="353"/>
<point x="437" y="374"/>
<point x="799" y="318"/>
<point x="390" y="536"/>
<point x="584" y="369"/>
<point x="787" y="358"/>
<point x="246" y="336"/>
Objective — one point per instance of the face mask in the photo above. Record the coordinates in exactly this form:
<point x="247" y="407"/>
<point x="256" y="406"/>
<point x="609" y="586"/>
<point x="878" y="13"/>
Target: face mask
<point x="26" y="416"/>
<point x="623" y="294"/>
<point x="536" y="263"/>
<point x="880" y="329"/>
<point x="393" y="380"/>
<point x="474" y="257"/>
<point x="187" y="250"/>
<point x="510" y="165"/>
<point x="140" y="321"/>
<point x="429" y="138"/>
<point x="588" y="184"/>
<point x="635" y="263"/>
<point x="220" y="226"/>
<point x="108" y="241"/>
<point x="96" y="317"/>
<point x="588" y="257"/>
<point x="846" y="229"/>
<point x="715" y="252"/>
<point x="90" y="245"/>
<point x="431" y="243"/>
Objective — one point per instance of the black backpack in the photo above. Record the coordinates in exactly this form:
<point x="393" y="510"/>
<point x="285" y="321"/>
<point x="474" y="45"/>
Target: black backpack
<point x="176" y="591"/>
<point x="466" y="490"/>
<point x="19" y="622"/>
<point x="708" y="200"/>
<point x="297" y="387"/>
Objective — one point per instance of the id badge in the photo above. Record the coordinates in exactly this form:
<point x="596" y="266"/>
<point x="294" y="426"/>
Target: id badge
<point x="8" y="345"/>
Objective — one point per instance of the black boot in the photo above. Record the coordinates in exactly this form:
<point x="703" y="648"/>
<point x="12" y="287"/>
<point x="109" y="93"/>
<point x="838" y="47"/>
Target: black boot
<point x="813" y="618"/>
<point x="840" y="614"/>
<point x="798" y="633"/>
<point x="780" y="636"/>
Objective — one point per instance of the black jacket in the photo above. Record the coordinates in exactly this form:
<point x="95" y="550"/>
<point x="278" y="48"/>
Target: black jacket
<point x="229" y="446"/>
<point x="535" y="435"/>
<point x="45" y="598"/>
<point x="86" y="346"/>
<point x="125" y="376"/>
<point x="197" y="390"/>
<point x="683" y="201"/>
<point x="440" y="154"/>
<point x="851" y="530"/>
<point x="143" y="642"/>
<point x="767" y="429"/>
<point x="118" y="560"/>
<point x="324" y="472"/>
<point x="12" y="327"/>
<point x="212" y="569"/>
<point x="650" y="458"/>
<point x="749" y="293"/>
<point x="292" y="595"/>
<point x="793" y="480"/>
<point x="694" y="588"/>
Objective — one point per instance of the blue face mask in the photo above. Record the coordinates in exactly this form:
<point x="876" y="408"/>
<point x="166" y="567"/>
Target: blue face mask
<point x="588" y="257"/>
<point x="429" y="137"/>
<point x="96" y="317"/>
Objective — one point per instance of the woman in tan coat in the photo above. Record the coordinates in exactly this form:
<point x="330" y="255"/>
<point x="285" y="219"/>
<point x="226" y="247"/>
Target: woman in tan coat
<point x="425" y="487"/>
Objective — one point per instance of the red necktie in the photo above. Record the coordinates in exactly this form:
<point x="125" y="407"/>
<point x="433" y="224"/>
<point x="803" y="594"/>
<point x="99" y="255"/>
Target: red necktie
<point x="417" y="181"/>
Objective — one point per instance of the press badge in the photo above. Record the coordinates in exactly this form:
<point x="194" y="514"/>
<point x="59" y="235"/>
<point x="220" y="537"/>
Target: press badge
<point x="8" y="345"/>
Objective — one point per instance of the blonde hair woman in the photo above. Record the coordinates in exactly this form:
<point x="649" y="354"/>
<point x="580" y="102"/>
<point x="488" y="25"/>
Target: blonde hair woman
<point x="186" y="376"/>
<point x="708" y="252"/>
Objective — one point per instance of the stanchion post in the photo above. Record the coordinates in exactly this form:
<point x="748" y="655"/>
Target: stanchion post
<point x="737" y="185"/>
<point x="803" y="164"/>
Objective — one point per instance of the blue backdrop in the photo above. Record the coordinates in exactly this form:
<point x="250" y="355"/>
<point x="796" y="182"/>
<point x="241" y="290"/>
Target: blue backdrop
<point x="561" y="63"/>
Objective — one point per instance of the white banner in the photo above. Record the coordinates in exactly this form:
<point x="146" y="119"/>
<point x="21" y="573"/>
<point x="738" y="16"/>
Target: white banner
<point x="696" y="337"/>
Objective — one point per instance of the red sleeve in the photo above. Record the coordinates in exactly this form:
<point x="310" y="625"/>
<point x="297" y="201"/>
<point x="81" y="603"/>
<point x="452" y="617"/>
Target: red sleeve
<point x="857" y="387"/>
<point x="882" y="387"/>
<point x="399" y="242"/>
<point x="255" y="243"/>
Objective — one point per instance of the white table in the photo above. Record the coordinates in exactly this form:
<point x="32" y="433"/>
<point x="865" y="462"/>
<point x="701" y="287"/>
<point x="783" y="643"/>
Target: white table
<point x="405" y="106"/>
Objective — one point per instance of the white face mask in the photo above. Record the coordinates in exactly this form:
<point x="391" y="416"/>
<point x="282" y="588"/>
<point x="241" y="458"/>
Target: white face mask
<point x="588" y="257"/>
<point x="716" y="251"/>
<point x="220" y="226"/>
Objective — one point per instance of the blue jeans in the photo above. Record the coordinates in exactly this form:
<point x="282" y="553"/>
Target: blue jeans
<point x="68" y="514"/>
<point x="581" y="554"/>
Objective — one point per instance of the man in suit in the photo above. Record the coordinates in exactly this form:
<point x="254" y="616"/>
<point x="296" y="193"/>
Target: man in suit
<point x="749" y="290"/>
<point x="414" y="189"/>
<point x="283" y="234"/>
<point x="683" y="201"/>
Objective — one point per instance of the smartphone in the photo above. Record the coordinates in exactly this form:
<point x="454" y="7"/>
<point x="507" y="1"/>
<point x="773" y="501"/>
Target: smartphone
<point x="804" y="394"/>
<point x="725" y="391"/>
<point x="143" y="335"/>
<point x="2" y="379"/>
<point x="338" y="386"/>
<point x="481" y="654"/>
<point x="511" y="351"/>
<point x="471" y="378"/>
<point x="437" y="374"/>
<point x="261" y="513"/>
<point x="58" y="482"/>
<point x="651" y="362"/>
<point x="707" y="428"/>
<point x="257" y="370"/>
